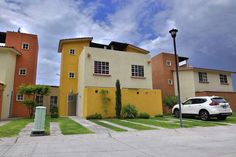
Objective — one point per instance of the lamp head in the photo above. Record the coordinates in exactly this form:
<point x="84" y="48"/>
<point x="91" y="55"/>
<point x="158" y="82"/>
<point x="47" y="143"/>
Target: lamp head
<point x="173" y="32"/>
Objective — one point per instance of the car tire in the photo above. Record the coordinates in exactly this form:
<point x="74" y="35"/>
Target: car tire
<point x="222" y="117"/>
<point x="176" y="113"/>
<point x="204" y="115"/>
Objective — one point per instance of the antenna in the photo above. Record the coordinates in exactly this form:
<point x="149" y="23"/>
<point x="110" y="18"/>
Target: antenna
<point x="19" y="30"/>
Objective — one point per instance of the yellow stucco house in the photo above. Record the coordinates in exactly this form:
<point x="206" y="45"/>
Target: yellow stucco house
<point x="87" y="68"/>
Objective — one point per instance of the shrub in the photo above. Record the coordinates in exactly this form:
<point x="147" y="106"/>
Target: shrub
<point x="170" y="101"/>
<point x="54" y="112"/>
<point x="159" y="115"/>
<point x="129" y="111"/>
<point x="94" y="116"/>
<point x="144" y="115"/>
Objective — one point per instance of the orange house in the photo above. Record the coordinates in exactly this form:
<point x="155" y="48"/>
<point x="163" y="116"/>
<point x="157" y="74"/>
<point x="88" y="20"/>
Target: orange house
<point x="26" y="66"/>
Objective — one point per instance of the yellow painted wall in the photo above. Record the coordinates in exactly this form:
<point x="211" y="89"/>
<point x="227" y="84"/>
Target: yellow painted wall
<point x="148" y="101"/>
<point x="69" y="63"/>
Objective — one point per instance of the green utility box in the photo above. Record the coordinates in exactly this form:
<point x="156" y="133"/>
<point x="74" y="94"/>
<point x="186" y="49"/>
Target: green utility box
<point x="39" y="121"/>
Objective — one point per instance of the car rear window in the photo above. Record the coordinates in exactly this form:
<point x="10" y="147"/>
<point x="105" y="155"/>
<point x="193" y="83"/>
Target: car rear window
<point x="219" y="100"/>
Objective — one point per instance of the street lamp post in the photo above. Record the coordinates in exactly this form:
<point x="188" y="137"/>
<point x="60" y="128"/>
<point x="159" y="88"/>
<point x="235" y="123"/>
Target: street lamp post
<point x="173" y="34"/>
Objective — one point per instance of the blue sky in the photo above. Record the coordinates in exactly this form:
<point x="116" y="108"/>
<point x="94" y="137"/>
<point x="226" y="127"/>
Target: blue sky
<point x="206" y="28"/>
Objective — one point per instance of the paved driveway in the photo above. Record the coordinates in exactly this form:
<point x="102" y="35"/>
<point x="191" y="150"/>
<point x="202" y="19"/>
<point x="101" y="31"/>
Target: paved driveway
<point x="217" y="141"/>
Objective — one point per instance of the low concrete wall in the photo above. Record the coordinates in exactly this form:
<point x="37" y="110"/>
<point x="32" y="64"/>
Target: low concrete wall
<point x="229" y="96"/>
<point x="148" y="101"/>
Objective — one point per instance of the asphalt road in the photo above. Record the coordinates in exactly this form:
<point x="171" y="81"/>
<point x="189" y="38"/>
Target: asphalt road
<point x="217" y="141"/>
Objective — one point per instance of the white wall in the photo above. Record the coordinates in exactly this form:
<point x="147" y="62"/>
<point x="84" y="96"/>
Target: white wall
<point x="214" y="82"/>
<point x="187" y="86"/>
<point x="119" y="67"/>
<point x="7" y="73"/>
<point x="189" y="83"/>
<point x="80" y="99"/>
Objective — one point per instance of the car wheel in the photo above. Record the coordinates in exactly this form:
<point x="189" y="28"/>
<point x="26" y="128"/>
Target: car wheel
<point x="204" y="115"/>
<point x="176" y="113"/>
<point x="221" y="118"/>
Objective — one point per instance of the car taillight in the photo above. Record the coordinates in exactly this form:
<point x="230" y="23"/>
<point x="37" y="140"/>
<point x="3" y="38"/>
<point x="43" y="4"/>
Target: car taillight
<point x="214" y="103"/>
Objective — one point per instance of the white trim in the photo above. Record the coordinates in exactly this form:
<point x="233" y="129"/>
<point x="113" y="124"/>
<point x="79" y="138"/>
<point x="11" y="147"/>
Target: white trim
<point x="69" y="75"/>
<point x="24" y="43"/>
<point x="19" y="72"/>
<point x="19" y="99"/>
<point x="168" y="63"/>
<point x="137" y="71"/>
<point x="72" y="50"/>
<point x="170" y="82"/>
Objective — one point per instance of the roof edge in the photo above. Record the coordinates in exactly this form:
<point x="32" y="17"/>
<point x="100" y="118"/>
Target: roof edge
<point x="139" y="48"/>
<point x="12" y="48"/>
<point x="62" y="41"/>
<point x="206" y="69"/>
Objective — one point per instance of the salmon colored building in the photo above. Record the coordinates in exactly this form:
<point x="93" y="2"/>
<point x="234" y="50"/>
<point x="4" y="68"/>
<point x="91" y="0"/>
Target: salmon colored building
<point x="25" y="66"/>
<point x="163" y="65"/>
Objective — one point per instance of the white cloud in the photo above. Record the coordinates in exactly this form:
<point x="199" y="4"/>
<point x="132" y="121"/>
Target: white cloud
<point x="206" y="28"/>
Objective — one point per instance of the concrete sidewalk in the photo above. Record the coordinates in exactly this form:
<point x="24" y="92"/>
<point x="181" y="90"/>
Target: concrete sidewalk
<point x="90" y="125"/>
<point x="217" y="141"/>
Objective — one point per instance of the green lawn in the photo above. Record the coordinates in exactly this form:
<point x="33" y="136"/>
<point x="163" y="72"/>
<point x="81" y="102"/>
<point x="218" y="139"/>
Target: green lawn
<point x="47" y="126"/>
<point x="231" y="119"/>
<point x="14" y="127"/>
<point x="114" y="128"/>
<point x="69" y="126"/>
<point x="163" y="124"/>
<point x="130" y="125"/>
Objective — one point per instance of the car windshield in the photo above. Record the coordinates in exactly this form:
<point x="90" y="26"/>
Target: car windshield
<point x="219" y="100"/>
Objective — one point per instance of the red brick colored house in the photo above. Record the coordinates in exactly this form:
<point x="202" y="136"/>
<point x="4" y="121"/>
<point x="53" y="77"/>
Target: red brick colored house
<point x="25" y="66"/>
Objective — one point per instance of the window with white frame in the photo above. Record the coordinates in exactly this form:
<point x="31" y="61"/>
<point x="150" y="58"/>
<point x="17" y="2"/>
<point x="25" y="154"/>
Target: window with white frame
<point x="202" y="77"/>
<point x="71" y="75"/>
<point x="170" y="82"/>
<point x="101" y="67"/>
<point x="22" y="71"/>
<point x="25" y="46"/>
<point x="72" y="51"/>
<point x="19" y="97"/>
<point x="223" y="79"/>
<point x="137" y="70"/>
<point x="168" y="63"/>
<point x="39" y="100"/>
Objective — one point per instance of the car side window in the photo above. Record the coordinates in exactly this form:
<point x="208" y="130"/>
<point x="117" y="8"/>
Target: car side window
<point x="188" y="102"/>
<point x="198" y="101"/>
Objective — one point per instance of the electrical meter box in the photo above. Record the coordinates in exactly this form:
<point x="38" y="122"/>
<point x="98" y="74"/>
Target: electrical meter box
<point x="39" y="120"/>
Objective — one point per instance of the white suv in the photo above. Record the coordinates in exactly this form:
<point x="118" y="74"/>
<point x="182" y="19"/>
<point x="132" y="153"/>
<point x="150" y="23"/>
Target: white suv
<point x="204" y="107"/>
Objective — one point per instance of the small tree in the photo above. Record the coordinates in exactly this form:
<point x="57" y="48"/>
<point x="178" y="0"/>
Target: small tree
<point x="118" y="99"/>
<point x="170" y="101"/>
<point x="105" y="100"/>
<point x="30" y="91"/>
